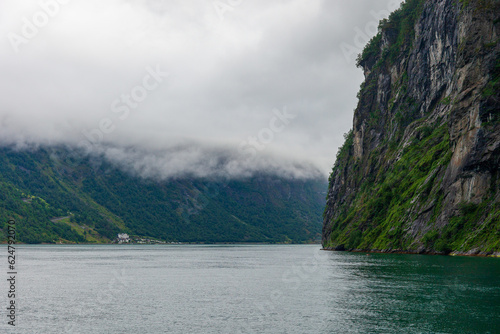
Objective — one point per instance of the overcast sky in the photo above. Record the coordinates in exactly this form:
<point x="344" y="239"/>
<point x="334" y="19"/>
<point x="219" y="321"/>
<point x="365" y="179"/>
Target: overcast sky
<point x="250" y="85"/>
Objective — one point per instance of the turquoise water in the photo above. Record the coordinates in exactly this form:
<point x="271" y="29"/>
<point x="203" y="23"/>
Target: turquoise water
<point x="248" y="289"/>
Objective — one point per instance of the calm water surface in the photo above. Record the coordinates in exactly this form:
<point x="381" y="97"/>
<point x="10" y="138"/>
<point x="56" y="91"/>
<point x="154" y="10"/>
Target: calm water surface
<point x="248" y="289"/>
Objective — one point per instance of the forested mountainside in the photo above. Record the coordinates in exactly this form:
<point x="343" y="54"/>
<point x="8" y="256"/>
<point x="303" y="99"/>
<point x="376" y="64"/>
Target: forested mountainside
<point x="419" y="172"/>
<point x="56" y="198"/>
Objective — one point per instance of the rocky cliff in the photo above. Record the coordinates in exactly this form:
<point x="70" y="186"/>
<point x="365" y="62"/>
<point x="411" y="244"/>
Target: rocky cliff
<point x="419" y="171"/>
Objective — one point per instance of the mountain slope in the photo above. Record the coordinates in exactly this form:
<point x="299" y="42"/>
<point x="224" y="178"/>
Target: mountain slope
<point x="419" y="171"/>
<point x="97" y="200"/>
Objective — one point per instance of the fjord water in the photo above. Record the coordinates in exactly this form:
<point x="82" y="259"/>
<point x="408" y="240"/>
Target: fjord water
<point x="249" y="289"/>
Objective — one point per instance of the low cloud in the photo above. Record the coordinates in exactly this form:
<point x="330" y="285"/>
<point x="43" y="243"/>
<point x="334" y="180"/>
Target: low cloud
<point x="83" y="75"/>
<point x="205" y="162"/>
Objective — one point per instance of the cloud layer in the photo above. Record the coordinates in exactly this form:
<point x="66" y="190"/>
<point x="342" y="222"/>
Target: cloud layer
<point x="94" y="74"/>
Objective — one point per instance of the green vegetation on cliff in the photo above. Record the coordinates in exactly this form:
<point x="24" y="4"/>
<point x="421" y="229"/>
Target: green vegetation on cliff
<point x="419" y="172"/>
<point x="400" y="32"/>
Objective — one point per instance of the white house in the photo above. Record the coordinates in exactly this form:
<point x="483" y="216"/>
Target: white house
<point x="123" y="237"/>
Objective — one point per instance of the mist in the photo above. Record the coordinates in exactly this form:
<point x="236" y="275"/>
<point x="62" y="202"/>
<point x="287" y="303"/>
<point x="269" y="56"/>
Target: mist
<point x="172" y="88"/>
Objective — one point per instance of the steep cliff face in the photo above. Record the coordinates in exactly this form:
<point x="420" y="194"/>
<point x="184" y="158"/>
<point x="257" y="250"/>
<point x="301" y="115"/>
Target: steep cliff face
<point x="419" y="171"/>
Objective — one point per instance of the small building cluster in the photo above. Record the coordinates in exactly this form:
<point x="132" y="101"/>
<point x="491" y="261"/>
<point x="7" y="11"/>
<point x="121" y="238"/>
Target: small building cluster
<point x="149" y="241"/>
<point x="123" y="238"/>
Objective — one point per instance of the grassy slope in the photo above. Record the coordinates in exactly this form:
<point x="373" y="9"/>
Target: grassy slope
<point x="102" y="201"/>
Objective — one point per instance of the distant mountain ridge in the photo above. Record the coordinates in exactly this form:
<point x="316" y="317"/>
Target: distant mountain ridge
<point x="420" y="170"/>
<point x="95" y="200"/>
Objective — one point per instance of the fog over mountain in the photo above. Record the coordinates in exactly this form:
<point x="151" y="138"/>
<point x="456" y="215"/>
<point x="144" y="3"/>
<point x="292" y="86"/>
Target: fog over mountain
<point x="186" y="87"/>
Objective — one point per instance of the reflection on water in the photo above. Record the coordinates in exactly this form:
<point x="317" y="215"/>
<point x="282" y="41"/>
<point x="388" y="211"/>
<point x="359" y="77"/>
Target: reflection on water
<point x="250" y="289"/>
<point x="384" y="293"/>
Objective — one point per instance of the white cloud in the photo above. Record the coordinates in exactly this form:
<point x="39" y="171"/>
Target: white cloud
<point x="226" y="77"/>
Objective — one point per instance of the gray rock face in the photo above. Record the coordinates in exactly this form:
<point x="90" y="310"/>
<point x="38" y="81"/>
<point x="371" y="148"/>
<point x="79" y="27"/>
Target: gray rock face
<point x="446" y="74"/>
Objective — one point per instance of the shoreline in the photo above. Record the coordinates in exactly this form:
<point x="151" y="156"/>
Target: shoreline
<point x="416" y="252"/>
<point x="168" y="243"/>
